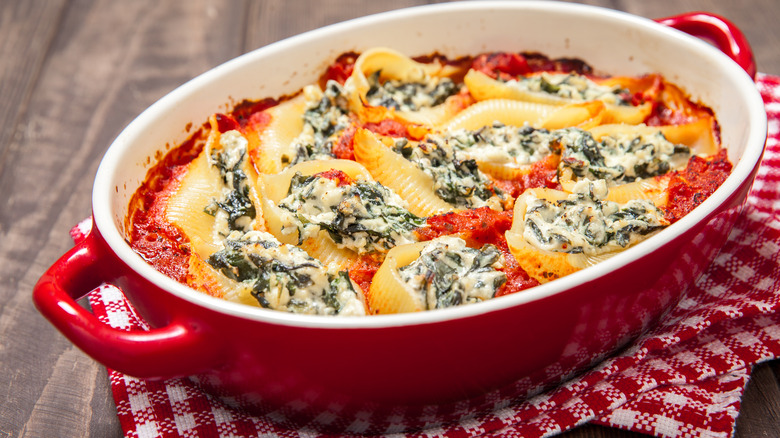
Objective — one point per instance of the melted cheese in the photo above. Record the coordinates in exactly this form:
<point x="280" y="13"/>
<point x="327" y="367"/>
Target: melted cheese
<point x="412" y="95"/>
<point x="620" y="158"/>
<point x="456" y="179"/>
<point x="570" y="86"/>
<point x="502" y="144"/>
<point x="362" y="216"/>
<point x="284" y="277"/>
<point x="586" y="224"/>
<point x="448" y="273"/>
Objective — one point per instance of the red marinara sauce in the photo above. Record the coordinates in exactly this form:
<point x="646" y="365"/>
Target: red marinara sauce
<point x="341" y="178"/>
<point x="691" y="186"/>
<point x="158" y="241"/>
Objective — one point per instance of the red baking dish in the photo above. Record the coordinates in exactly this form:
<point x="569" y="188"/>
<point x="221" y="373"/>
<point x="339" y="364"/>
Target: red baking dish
<point x="365" y="374"/>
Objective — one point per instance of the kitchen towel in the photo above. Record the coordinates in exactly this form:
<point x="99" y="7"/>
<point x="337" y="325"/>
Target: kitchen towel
<point x="685" y="378"/>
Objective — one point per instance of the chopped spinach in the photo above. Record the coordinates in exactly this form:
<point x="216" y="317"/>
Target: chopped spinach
<point x="408" y="96"/>
<point x="448" y="273"/>
<point x="283" y="277"/>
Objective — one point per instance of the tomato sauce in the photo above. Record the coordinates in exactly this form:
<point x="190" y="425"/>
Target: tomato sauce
<point x="543" y="174"/>
<point x="159" y="242"/>
<point x="340" y="70"/>
<point x="506" y="65"/>
<point x="362" y="271"/>
<point x="691" y="186"/>
<point x="246" y="112"/>
<point x="341" y="178"/>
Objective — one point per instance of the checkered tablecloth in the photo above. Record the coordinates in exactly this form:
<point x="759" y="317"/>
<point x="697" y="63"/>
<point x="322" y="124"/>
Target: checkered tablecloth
<point x="683" y="379"/>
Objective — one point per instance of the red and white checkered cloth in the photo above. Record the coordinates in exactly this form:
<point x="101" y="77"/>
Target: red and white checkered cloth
<point x="684" y="379"/>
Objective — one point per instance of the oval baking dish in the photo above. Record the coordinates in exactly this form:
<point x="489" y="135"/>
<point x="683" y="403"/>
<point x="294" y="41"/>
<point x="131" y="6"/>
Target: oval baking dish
<point x="328" y="372"/>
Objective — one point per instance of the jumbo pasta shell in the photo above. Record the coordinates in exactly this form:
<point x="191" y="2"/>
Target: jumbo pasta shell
<point x="698" y="135"/>
<point x="582" y="115"/>
<point x="435" y="115"/>
<point x="505" y="111"/>
<point x="204" y="277"/>
<point x="272" y="150"/>
<point x="323" y="249"/>
<point x="274" y="188"/>
<point x="627" y="113"/>
<point x="388" y="294"/>
<point x="395" y="172"/>
<point x="511" y="171"/>
<point x="539" y="264"/>
<point x="186" y="206"/>
<point x="483" y="87"/>
<point x="653" y="189"/>
<point x="392" y="65"/>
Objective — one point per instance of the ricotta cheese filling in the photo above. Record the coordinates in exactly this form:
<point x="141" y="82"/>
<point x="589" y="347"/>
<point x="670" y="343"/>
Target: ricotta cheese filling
<point x="325" y="118"/>
<point x="456" y="179"/>
<point x="570" y="86"/>
<point x="285" y="277"/>
<point x="234" y="210"/>
<point x="426" y="92"/>
<point x="502" y="144"/>
<point x="362" y="216"/>
<point x="448" y="273"/>
<point x="585" y="223"/>
<point x="621" y="158"/>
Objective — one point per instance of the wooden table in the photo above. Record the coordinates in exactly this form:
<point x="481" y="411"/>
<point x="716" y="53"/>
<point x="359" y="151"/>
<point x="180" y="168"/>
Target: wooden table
<point x="74" y="73"/>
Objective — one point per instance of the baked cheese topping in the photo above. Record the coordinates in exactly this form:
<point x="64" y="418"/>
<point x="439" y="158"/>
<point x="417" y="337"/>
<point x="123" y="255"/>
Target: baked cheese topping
<point x="426" y="92"/>
<point x="570" y="86"/>
<point x="285" y="277"/>
<point x="326" y="117"/>
<point x="234" y="210"/>
<point x="457" y="180"/>
<point x="362" y="216"/>
<point x="448" y="273"/>
<point x="502" y="144"/>
<point x="621" y="158"/>
<point x="585" y="223"/>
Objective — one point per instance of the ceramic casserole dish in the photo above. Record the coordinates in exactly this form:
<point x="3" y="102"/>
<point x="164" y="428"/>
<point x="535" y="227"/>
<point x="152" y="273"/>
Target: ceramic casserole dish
<point x="328" y="372"/>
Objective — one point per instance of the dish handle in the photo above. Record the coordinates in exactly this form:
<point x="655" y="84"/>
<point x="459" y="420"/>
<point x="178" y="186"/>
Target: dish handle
<point x="175" y="350"/>
<point x="721" y="32"/>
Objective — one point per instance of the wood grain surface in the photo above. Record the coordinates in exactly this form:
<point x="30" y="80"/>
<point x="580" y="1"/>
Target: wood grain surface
<point x="73" y="73"/>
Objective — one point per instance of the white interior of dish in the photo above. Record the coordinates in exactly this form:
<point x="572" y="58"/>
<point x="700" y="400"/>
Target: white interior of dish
<point x="610" y="41"/>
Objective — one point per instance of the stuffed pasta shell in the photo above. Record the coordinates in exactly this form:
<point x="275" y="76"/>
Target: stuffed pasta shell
<point x="304" y="128"/>
<point x="217" y="194"/>
<point x="334" y="210"/>
<point x="556" y="233"/>
<point x="428" y="174"/>
<point x="417" y="92"/>
<point x="632" y="159"/>
<point x="256" y="269"/>
<point x="436" y="274"/>
<point x="559" y="89"/>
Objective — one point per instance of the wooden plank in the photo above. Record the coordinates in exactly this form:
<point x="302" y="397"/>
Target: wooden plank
<point x="73" y="74"/>
<point x="760" y="410"/>
<point x="107" y="62"/>
<point x="274" y="20"/>
<point x="755" y="18"/>
<point x="26" y="32"/>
